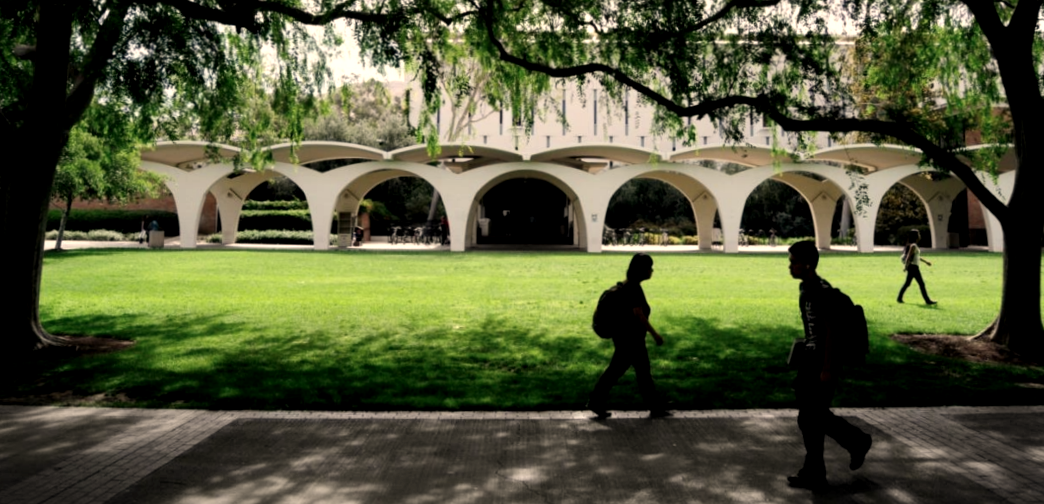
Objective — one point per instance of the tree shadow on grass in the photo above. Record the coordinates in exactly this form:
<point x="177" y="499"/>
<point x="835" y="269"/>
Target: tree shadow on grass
<point x="496" y="364"/>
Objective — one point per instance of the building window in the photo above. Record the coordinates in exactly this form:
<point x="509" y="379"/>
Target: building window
<point x="549" y="141"/>
<point x="610" y="139"/>
<point x="642" y="138"/>
<point x="485" y="139"/>
<point x="563" y="114"/>
<point x="579" y="139"/>
<point x="595" y="112"/>
<point x="627" y="113"/>
<point x="704" y="140"/>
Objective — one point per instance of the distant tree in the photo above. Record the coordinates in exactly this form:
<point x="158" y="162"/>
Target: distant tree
<point x="99" y="162"/>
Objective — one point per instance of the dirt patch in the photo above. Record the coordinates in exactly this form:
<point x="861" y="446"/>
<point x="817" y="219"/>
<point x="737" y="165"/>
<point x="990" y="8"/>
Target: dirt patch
<point x="84" y="345"/>
<point x="75" y="346"/>
<point x="962" y="347"/>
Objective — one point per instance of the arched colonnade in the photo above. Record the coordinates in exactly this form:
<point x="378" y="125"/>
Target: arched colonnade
<point x="466" y="173"/>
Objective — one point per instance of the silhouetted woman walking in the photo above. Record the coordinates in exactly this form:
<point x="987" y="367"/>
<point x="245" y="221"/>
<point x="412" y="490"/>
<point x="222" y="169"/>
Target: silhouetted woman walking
<point x="912" y="265"/>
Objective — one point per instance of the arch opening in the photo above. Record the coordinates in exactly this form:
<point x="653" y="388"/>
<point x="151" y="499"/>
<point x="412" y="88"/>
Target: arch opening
<point x="901" y="209"/>
<point x="398" y="202"/>
<point x="773" y="211"/>
<point x="525" y="211"/>
<point x="655" y="205"/>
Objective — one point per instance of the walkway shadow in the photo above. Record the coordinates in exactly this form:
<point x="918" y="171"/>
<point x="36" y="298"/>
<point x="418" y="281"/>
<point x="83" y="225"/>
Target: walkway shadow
<point x="707" y="460"/>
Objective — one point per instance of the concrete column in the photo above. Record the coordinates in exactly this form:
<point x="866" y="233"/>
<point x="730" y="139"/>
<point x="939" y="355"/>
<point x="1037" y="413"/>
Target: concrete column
<point x="704" y="207"/>
<point x="189" y="189"/>
<point x="823" y="208"/>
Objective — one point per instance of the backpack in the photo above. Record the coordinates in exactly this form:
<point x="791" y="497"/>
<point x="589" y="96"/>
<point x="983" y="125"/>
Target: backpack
<point x="606" y="319"/>
<point x="849" y="328"/>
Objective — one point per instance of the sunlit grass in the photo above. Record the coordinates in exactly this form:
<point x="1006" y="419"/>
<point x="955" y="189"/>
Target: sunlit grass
<point x="289" y="330"/>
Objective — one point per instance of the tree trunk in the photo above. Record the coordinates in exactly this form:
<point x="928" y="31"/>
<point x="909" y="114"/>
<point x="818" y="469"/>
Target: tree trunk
<point x="1018" y="324"/>
<point x="61" y="227"/>
<point x="25" y="197"/>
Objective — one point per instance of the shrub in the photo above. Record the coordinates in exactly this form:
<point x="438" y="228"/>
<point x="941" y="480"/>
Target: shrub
<point x="105" y="235"/>
<point x="292" y="220"/>
<point x="271" y="236"/>
<point x="123" y="221"/>
<point x="674" y="240"/>
<point x="690" y="240"/>
<point x="275" y="205"/>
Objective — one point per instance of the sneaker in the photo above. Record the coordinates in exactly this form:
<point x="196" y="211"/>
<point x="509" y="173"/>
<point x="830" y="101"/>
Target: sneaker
<point x="660" y="413"/>
<point x="930" y="303"/>
<point x="807" y="482"/>
<point x="858" y="453"/>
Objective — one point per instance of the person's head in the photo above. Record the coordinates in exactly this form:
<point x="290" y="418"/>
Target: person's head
<point x="641" y="267"/>
<point x="804" y="258"/>
<point x="913" y="236"/>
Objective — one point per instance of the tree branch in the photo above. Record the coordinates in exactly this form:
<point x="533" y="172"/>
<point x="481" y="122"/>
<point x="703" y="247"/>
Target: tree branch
<point x="989" y="22"/>
<point x="727" y="8"/>
<point x="99" y="56"/>
<point x="1025" y="17"/>
<point x="940" y="156"/>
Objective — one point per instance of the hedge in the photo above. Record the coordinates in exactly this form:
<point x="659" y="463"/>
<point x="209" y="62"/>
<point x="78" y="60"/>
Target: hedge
<point x="121" y="221"/>
<point x="275" y="205"/>
<point x="93" y="235"/>
<point x="293" y="220"/>
<point x="271" y="236"/>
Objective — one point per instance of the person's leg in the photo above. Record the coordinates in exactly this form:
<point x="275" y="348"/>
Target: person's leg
<point x="643" y="374"/>
<point x="617" y="367"/>
<point x="909" y="278"/>
<point x="812" y="419"/>
<point x="920" y="282"/>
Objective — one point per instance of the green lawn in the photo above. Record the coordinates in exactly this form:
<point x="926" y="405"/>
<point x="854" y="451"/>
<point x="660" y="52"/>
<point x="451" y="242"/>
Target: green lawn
<point x="308" y="330"/>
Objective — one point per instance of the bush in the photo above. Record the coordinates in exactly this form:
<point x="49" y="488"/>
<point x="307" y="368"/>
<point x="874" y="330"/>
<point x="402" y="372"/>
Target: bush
<point x="94" y="235"/>
<point x="275" y="205"/>
<point x="122" y="221"/>
<point x="271" y="236"/>
<point x="292" y="220"/>
<point x="674" y="240"/>
<point x="690" y="240"/>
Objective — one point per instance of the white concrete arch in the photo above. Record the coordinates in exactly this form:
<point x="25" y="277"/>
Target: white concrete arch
<point x="937" y="197"/>
<point x="685" y="178"/>
<point x="576" y="185"/>
<point x="574" y="156"/>
<point x="231" y="193"/>
<point x="733" y="191"/>
<point x="189" y="188"/>
<point x="323" y="190"/>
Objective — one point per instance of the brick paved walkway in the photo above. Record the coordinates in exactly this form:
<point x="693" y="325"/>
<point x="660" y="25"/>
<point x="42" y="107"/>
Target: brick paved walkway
<point x="86" y="455"/>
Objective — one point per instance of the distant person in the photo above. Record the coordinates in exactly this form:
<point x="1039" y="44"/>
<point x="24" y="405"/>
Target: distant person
<point x="818" y="372"/>
<point x="444" y="229"/>
<point x="143" y="234"/>
<point x="912" y="266"/>
<point x="631" y="312"/>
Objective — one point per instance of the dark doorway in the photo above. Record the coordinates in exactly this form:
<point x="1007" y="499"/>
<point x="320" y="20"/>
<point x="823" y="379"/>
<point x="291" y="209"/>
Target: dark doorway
<point x="526" y="211"/>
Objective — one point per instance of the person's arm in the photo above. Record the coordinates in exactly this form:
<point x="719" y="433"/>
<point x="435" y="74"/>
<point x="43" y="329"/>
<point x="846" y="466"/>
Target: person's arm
<point x="926" y="261"/>
<point x="908" y="255"/>
<point x="648" y="327"/>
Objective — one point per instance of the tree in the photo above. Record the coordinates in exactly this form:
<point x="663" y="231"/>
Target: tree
<point x="100" y="165"/>
<point x="180" y="66"/>
<point x="917" y="73"/>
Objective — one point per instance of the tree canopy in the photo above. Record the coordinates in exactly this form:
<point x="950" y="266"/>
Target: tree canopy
<point x="923" y="74"/>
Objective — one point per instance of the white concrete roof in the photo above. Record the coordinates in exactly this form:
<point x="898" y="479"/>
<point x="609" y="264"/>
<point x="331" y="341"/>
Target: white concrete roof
<point x="870" y="156"/>
<point x="419" y="153"/>
<point x="1008" y="162"/>
<point x="313" y="151"/>
<point x="569" y="155"/>
<point x="181" y="152"/>
<point x="744" y="155"/>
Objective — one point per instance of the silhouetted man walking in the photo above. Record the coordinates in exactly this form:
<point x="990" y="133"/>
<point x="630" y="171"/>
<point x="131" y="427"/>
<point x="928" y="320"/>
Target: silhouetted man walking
<point x="819" y="368"/>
